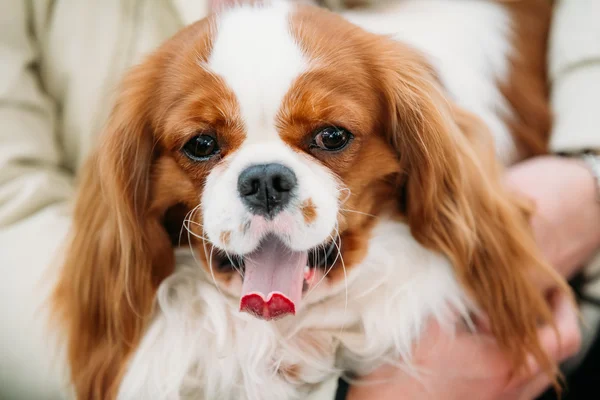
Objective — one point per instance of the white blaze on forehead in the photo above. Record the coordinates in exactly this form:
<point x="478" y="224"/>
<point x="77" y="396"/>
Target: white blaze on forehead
<point x="256" y="55"/>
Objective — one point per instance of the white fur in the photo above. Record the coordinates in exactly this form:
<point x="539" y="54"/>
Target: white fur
<point x="223" y="209"/>
<point x="255" y="54"/>
<point x="468" y="41"/>
<point x="257" y="57"/>
<point x="200" y="345"/>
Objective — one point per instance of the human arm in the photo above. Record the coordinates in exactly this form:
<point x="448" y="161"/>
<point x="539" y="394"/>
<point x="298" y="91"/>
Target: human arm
<point x="574" y="70"/>
<point x="34" y="194"/>
<point x="31" y="177"/>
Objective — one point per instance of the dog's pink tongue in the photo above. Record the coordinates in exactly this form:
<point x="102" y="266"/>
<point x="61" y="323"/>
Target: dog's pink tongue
<point x="273" y="280"/>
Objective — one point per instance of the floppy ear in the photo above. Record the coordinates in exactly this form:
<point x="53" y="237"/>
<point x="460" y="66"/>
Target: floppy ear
<point x="118" y="251"/>
<point x="455" y="203"/>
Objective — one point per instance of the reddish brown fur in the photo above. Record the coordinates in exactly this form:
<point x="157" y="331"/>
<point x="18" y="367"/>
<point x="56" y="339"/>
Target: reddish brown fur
<point x="309" y="211"/>
<point x="526" y="88"/>
<point x="225" y="237"/>
<point x="290" y="371"/>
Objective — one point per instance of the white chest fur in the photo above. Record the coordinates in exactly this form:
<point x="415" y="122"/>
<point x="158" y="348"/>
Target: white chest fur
<point x="468" y="41"/>
<point x="200" y="345"/>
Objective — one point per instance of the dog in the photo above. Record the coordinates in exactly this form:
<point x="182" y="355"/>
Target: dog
<point x="284" y="194"/>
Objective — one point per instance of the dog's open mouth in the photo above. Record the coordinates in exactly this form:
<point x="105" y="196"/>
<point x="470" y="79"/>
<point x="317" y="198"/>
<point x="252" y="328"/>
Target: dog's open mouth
<point x="275" y="277"/>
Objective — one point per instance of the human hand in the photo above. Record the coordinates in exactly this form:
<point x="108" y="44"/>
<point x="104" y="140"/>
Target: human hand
<point x="566" y="221"/>
<point x="471" y="365"/>
<point x="566" y="224"/>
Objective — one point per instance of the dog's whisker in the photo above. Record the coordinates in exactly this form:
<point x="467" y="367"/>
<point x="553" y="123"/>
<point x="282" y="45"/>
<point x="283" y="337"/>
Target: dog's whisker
<point x="241" y="262"/>
<point x="345" y="278"/>
<point x="334" y="240"/>
<point x="324" y="256"/>
<point x="182" y="228"/>
<point x="233" y="264"/>
<point x="327" y="269"/>
<point x="210" y="265"/>
<point x="187" y="227"/>
<point x="198" y="264"/>
<point x="345" y="189"/>
<point x="187" y="220"/>
<point x="196" y="235"/>
<point x="357" y="212"/>
<point x="337" y="237"/>
<point x="190" y="221"/>
<point x="183" y="225"/>
<point x="212" y="271"/>
<point x="204" y="242"/>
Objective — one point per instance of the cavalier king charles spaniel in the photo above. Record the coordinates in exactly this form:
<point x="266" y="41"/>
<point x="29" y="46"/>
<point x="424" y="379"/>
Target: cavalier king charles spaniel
<point x="284" y="194"/>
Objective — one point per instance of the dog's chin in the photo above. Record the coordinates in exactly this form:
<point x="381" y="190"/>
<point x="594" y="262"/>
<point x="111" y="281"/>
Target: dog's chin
<point x="275" y="278"/>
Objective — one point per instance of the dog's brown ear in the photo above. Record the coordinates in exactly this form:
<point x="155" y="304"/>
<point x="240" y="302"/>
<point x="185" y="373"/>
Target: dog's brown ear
<point x="456" y="203"/>
<point x="118" y="250"/>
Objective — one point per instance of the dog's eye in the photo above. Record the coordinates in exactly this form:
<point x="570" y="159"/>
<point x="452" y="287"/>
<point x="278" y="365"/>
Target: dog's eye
<point x="332" y="139"/>
<point x="201" y="147"/>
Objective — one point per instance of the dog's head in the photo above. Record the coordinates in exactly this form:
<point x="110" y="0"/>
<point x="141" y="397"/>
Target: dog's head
<point x="270" y="139"/>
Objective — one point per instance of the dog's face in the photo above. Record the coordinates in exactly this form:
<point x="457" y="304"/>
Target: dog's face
<point x="277" y="149"/>
<point x="281" y="141"/>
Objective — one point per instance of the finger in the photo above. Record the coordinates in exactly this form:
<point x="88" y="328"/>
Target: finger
<point x="568" y="340"/>
<point x="534" y="388"/>
<point x="529" y="390"/>
<point x="558" y="347"/>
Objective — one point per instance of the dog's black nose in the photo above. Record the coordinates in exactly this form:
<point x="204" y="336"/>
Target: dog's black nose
<point x="266" y="189"/>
